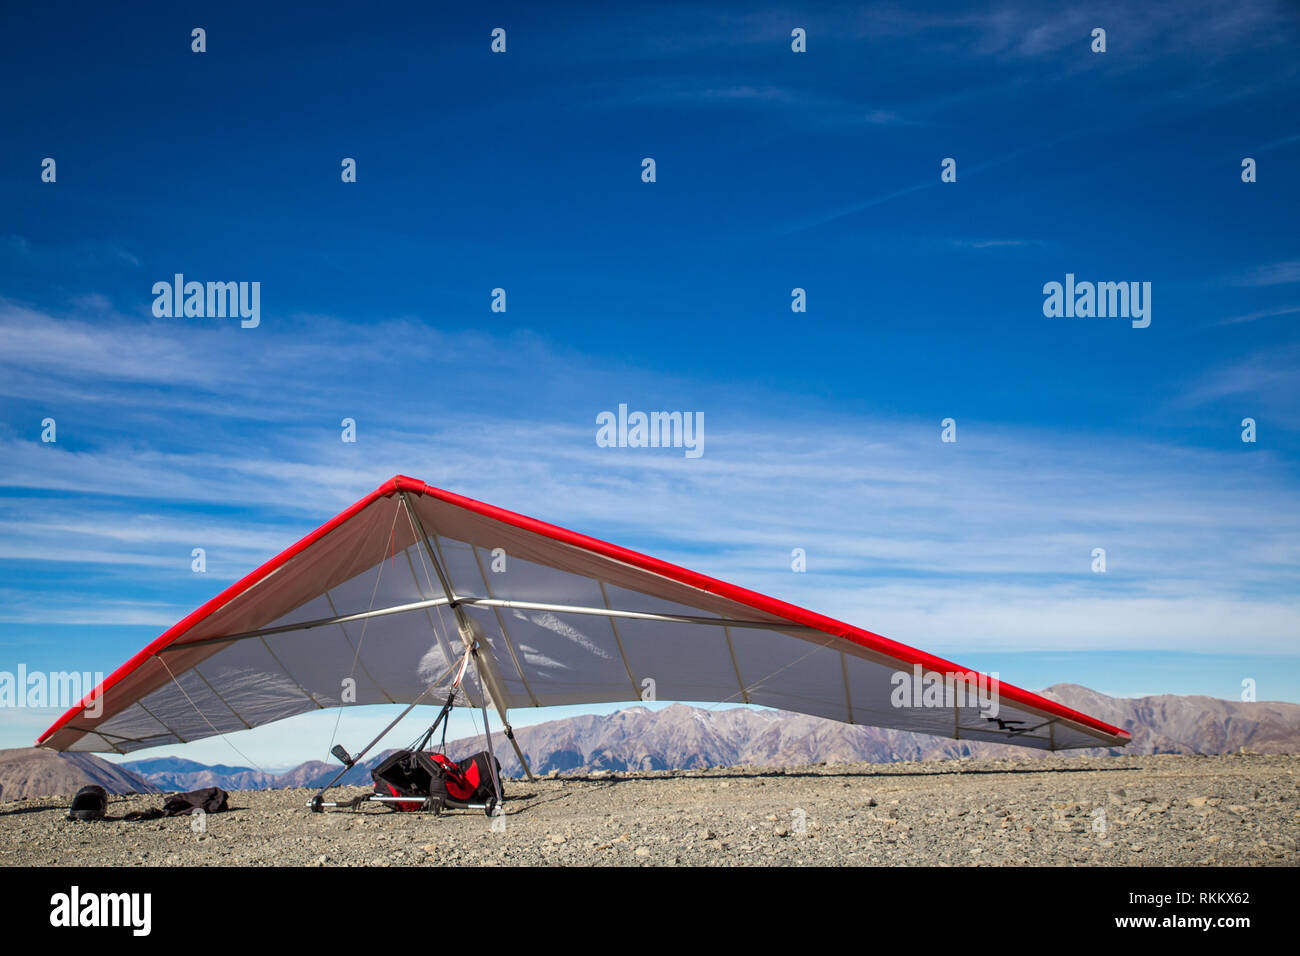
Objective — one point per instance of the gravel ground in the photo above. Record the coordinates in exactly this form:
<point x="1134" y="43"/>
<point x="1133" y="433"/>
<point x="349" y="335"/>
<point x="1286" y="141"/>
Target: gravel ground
<point x="1163" y="810"/>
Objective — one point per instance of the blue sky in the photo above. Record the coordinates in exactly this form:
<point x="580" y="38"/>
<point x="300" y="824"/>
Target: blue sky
<point x="775" y="170"/>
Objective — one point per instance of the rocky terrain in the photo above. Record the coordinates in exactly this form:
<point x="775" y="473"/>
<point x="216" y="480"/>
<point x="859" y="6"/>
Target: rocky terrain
<point x="1237" y="809"/>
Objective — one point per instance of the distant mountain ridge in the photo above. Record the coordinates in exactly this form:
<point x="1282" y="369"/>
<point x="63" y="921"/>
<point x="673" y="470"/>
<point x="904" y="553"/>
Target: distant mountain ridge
<point x="179" y="774"/>
<point x="31" y="772"/>
<point x="683" y="737"/>
<point x="686" y="737"/>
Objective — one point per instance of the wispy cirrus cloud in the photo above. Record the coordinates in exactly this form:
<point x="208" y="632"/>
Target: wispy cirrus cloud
<point x="986" y="543"/>
<point x="1269" y="274"/>
<point x="997" y="243"/>
<point x="807" y="106"/>
<point x="1270" y="377"/>
<point x="944" y="547"/>
<point x="1261" y="314"/>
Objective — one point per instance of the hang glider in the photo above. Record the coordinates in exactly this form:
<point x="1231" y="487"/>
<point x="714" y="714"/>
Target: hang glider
<point x="379" y="605"/>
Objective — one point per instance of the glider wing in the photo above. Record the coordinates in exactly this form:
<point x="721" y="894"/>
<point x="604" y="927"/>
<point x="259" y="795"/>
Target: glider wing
<point x="370" y="608"/>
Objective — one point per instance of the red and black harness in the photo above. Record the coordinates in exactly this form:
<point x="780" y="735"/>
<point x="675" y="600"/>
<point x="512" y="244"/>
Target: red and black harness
<point x="432" y="780"/>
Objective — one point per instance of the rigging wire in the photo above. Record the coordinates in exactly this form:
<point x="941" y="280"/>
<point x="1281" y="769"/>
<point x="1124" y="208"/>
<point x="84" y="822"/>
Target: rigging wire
<point x="356" y="654"/>
<point x="228" y="741"/>
<point x="744" y="691"/>
<point x="435" y="620"/>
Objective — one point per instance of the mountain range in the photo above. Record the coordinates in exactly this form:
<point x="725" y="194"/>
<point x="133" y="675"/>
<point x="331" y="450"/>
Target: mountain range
<point x="29" y="772"/>
<point x="681" y="736"/>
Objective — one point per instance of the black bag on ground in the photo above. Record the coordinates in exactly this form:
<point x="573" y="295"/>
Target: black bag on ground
<point x="90" y="803"/>
<point x="209" y="800"/>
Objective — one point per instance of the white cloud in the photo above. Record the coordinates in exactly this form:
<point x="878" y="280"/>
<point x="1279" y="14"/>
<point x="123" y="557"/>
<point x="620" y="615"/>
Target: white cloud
<point x="983" y="543"/>
<point x="1272" y="273"/>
